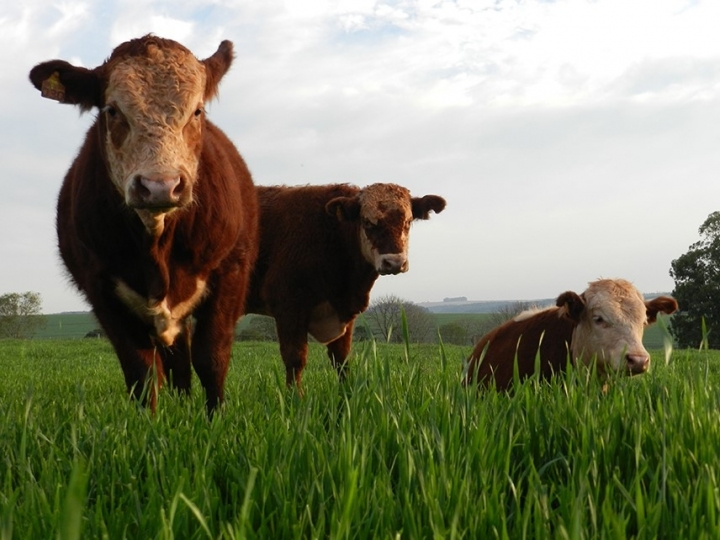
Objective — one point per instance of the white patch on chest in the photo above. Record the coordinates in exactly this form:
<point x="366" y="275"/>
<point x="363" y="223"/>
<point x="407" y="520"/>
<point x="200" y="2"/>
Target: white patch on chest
<point x="167" y="320"/>
<point x="325" y="325"/>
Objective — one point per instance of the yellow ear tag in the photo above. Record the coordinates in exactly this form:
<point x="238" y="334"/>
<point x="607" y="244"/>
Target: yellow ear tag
<point x="52" y="88"/>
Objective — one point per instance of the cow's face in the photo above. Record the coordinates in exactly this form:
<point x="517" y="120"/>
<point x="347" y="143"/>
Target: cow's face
<point x="384" y="213"/>
<point x="151" y="94"/>
<point x="153" y="119"/>
<point x="611" y="316"/>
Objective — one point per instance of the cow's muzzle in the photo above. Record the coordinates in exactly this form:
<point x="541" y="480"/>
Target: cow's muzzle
<point x="637" y="363"/>
<point x="391" y="264"/>
<point x="160" y="193"/>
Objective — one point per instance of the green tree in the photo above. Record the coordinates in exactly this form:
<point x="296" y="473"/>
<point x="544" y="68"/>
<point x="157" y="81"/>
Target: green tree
<point x="21" y="315"/>
<point x="453" y="332"/>
<point x="697" y="288"/>
<point x="259" y="328"/>
<point x="385" y="316"/>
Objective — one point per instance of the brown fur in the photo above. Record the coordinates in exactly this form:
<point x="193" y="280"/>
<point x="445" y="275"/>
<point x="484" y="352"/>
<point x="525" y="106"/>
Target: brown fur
<point x="146" y="285"/>
<point x="608" y="307"/>
<point x="313" y="273"/>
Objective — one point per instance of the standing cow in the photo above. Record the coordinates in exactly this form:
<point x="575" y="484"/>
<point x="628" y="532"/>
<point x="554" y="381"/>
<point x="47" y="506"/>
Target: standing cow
<point x="321" y="250"/>
<point x="603" y="324"/>
<point x="157" y="216"/>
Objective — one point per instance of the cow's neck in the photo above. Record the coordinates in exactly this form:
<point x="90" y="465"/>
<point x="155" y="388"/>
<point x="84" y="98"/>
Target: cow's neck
<point x="154" y="223"/>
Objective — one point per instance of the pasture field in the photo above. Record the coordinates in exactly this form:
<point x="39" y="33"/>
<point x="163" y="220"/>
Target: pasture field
<point x="400" y="450"/>
<point x="76" y="325"/>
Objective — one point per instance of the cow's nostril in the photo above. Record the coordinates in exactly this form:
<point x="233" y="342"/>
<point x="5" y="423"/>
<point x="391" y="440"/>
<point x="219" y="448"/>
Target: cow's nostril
<point x="637" y="363"/>
<point x="178" y="189"/>
<point x="157" y="192"/>
<point x="391" y="265"/>
<point x="142" y="191"/>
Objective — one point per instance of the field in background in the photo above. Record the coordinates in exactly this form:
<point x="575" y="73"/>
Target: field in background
<point x="400" y="451"/>
<point x="77" y="325"/>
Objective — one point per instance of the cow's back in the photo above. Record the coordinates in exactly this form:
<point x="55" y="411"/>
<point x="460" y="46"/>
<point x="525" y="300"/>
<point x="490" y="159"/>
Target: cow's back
<point x="493" y="358"/>
<point x="303" y="249"/>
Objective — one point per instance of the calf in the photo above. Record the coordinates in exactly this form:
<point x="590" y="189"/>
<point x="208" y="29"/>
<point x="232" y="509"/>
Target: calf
<point x="321" y="250"/>
<point x="605" y="324"/>
<point x="157" y="216"/>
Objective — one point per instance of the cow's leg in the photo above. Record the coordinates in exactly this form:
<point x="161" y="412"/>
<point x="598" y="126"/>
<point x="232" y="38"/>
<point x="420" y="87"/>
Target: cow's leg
<point x="339" y="350"/>
<point x="211" y="350"/>
<point x="292" y="334"/>
<point x="212" y="338"/>
<point x="140" y="361"/>
<point x="177" y="362"/>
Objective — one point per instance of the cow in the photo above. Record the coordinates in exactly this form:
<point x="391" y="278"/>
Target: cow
<point x="157" y="216"/>
<point x="604" y="325"/>
<point x="321" y="250"/>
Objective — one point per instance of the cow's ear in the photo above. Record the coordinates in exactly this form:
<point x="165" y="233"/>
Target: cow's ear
<point x="661" y="304"/>
<point x="216" y="67"/>
<point x="63" y="82"/>
<point x="573" y="303"/>
<point x="344" y="208"/>
<point x="421" y="206"/>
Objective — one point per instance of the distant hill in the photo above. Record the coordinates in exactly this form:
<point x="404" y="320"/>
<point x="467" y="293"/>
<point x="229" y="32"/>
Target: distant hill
<point x="489" y="306"/>
<point x="462" y="305"/>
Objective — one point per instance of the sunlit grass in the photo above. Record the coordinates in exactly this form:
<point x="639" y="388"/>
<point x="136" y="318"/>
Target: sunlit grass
<point x="399" y="450"/>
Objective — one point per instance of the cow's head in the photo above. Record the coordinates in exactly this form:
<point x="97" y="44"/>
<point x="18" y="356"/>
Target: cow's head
<point x="384" y="213"/>
<point x="151" y="94"/>
<point x="611" y="316"/>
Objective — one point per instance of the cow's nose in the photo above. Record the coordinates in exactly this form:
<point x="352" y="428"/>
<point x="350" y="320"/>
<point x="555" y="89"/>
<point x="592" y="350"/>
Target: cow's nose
<point x="392" y="264"/>
<point x="156" y="192"/>
<point x="637" y="363"/>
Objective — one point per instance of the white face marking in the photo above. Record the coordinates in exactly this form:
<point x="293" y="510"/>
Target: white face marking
<point x="166" y="319"/>
<point x="611" y="327"/>
<point x="385" y="218"/>
<point x="153" y="126"/>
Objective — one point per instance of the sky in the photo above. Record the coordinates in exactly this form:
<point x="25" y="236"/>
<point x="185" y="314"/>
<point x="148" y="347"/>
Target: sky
<point x="572" y="139"/>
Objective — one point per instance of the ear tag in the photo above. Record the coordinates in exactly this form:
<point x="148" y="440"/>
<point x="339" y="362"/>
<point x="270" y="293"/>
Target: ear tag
<point x="52" y="88"/>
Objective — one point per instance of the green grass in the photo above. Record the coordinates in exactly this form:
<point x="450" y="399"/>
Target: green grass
<point x="400" y="451"/>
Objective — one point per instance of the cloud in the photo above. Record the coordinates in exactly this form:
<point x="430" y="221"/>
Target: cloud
<point x="571" y="139"/>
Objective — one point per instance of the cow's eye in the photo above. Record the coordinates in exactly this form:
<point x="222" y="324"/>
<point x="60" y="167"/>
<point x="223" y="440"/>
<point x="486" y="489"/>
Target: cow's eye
<point x="111" y="111"/>
<point x="597" y="319"/>
<point x="198" y="111"/>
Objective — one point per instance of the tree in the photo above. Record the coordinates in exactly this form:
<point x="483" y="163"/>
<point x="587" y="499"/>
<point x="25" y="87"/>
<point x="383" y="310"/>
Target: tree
<point x="453" y="332"/>
<point x="259" y="328"/>
<point x="467" y="330"/>
<point x="21" y="315"/>
<point x="385" y="315"/>
<point x="697" y="288"/>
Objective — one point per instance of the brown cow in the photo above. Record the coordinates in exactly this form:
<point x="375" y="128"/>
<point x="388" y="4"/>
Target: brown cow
<point x="157" y="216"/>
<point x="321" y="250"/>
<point x="603" y="324"/>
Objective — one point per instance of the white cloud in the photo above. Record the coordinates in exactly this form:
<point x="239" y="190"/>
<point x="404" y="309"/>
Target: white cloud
<point x="538" y="121"/>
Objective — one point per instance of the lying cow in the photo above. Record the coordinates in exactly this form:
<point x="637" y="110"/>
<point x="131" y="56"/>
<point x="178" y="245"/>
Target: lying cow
<point x="603" y="324"/>
<point x="321" y="250"/>
<point x="157" y="216"/>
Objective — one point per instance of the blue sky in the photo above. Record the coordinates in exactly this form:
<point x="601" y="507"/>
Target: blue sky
<point x="572" y="139"/>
